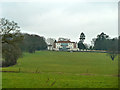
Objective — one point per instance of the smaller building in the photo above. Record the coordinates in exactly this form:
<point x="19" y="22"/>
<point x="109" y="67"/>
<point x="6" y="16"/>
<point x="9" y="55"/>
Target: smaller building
<point x="50" y="43"/>
<point x="50" y="47"/>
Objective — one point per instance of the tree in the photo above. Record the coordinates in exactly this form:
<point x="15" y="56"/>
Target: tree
<point x="112" y="53"/>
<point x="81" y="46"/>
<point x="50" y="41"/>
<point x="0" y="50"/>
<point x="11" y="36"/>
<point x="113" y="48"/>
<point x="91" y="48"/>
<point x="33" y="42"/>
<point x="101" y="42"/>
<point x="86" y="46"/>
<point x="80" y="43"/>
<point x="82" y="37"/>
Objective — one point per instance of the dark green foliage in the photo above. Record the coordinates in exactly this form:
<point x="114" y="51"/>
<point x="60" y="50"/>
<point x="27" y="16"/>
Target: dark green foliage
<point x="80" y="44"/>
<point x="82" y="37"/>
<point x="101" y="42"/>
<point x="11" y="36"/>
<point x="91" y="47"/>
<point x="10" y="54"/>
<point x="32" y="42"/>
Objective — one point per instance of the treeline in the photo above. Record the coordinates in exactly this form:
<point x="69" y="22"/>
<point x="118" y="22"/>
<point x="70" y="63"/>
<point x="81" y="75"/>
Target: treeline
<point x="32" y="42"/>
<point x="14" y="42"/>
<point x="104" y="42"/>
<point x="12" y="50"/>
<point x="101" y="42"/>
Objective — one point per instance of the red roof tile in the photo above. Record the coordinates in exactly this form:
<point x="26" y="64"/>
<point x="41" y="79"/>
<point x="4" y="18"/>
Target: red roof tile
<point x="65" y="42"/>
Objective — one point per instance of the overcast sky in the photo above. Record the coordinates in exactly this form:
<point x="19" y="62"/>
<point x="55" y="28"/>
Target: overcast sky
<point x="64" y="19"/>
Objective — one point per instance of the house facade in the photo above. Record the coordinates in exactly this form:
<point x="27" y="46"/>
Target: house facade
<point x="64" y="44"/>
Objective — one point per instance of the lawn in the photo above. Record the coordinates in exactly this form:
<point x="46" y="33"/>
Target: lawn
<point x="49" y="69"/>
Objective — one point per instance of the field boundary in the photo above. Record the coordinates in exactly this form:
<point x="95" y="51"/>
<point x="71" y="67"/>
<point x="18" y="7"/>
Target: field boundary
<point x="81" y="74"/>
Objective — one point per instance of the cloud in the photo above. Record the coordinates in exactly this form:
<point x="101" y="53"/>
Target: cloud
<point x="64" y="19"/>
<point x="59" y="1"/>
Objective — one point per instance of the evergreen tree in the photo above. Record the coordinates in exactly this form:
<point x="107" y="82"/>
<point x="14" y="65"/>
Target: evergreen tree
<point x="80" y="43"/>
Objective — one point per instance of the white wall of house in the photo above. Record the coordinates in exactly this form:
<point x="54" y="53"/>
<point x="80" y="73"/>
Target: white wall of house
<point x="50" y="47"/>
<point x="58" y="45"/>
<point x="70" y="45"/>
<point x="74" y="48"/>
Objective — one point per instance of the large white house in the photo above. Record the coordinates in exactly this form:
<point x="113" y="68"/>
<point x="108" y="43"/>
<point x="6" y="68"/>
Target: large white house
<point x="64" y="44"/>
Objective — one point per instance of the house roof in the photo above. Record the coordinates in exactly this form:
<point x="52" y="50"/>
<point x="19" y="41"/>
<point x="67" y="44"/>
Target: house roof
<point x="64" y="42"/>
<point x="49" y="45"/>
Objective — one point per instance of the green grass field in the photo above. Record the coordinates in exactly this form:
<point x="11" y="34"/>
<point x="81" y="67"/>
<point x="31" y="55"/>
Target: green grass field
<point x="48" y="69"/>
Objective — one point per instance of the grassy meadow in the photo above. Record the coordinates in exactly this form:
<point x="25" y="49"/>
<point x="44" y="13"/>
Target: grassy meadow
<point x="50" y="69"/>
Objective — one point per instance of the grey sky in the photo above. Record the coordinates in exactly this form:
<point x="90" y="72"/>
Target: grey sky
<point x="64" y="19"/>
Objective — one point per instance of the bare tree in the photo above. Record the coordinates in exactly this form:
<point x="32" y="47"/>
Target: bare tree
<point x="113" y="49"/>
